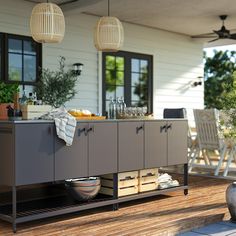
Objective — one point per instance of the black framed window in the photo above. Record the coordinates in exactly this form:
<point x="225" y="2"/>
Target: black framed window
<point x="128" y="75"/>
<point x="21" y="59"/>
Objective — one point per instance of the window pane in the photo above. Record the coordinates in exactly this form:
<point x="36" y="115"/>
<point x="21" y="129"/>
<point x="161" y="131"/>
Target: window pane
<point x="15" y="67"/>
<point x="135" y="93"/>
<point x="134" y="79"/>
<point x="15" y="45"/>
<point x="110" y="92"/>
<point x="30" y="68"/>
<point x="119" y="63"/>
<point x="139" y="93"/>
<point x="107" y="106"/>
<point x="29" y="47"/>
<point x="119" y="78"/>
<point x="135" y="103"/>
<point x="135" y="65"/>
<point x="144" y="66"/>
<point x="144" y="79"/>
<point x="110" y="62"/>
<point x="110" y="77"/>
<point x="119" y="91"/>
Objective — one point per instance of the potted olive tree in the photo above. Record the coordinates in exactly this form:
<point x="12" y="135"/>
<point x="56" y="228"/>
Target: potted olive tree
<point x="55" y="88"/>
<point x="7" y="92"/>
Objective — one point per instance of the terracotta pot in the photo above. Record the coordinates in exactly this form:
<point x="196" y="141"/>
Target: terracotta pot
<point x="3" y="110"/>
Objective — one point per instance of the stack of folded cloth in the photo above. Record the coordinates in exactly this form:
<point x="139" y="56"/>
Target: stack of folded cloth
<point x="165" y="181"/>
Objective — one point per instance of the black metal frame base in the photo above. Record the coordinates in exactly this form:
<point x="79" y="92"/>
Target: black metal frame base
<point x="25" y="211"/>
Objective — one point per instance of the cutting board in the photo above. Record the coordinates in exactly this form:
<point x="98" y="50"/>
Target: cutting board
<point x="91" y="118"/>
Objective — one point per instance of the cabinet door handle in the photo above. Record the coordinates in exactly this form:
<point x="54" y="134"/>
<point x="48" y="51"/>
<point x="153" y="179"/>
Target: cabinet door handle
<point x="163" y="128"/>
<point x="49" y="130"/>
<point x="80" y="131"/>
<point x="139" y="128"/>
<point x="169" y="127"/>
<point x="89" y="130"/>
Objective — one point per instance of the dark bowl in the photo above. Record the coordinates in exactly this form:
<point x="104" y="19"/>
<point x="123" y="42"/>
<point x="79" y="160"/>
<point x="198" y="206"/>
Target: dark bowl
<point x="83" y="188"/>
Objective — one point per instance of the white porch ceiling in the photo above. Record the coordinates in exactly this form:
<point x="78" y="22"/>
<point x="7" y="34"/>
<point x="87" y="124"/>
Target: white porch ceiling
<point x="189" y="17"/>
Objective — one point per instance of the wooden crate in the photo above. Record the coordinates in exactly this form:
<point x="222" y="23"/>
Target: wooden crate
<point x="148" y="179"/>
<point x="127" y="183"/>
<point x="30" y="112"/>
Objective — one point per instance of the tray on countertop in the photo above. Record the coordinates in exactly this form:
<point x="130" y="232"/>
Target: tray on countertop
<point x="90" y="117"/>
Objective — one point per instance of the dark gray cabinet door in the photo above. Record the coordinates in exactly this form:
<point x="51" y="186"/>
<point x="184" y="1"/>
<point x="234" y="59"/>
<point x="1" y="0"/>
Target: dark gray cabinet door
<point x="72" y="161"/>
<point x="102" y="148"/>
<point x="34" y="153"/>
<point x="7" y="154"/>
<point x="177" y="142"/>
<point x="130" y="146"/>
<point x="155" y="144"/>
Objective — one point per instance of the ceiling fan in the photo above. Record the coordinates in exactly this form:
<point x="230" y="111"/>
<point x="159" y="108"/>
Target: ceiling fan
<point x="223" y="33"/>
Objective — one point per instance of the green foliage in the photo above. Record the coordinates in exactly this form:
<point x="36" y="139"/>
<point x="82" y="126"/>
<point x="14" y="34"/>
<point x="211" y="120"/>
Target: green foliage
<point x="220" y="80"/>
<point x="114" y="72"/>
<point x="228" y="123"/>
<point x="7" y="92"/>
<point x="55" y="88"/>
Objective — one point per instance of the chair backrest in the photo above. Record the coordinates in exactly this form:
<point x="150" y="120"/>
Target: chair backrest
<point x="207" y="128"/>
<point x="174" y="113"/>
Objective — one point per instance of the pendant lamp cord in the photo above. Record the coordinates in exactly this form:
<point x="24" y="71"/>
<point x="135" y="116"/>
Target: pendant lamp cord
<point x="108" y="4"/>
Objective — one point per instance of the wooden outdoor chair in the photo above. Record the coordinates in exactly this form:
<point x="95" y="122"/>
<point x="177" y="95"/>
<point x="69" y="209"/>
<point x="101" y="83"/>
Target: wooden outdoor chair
<point x="209" y="140"/>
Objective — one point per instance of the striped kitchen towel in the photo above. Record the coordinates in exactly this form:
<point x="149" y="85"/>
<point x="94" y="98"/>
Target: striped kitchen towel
<point x="65" y="124"/>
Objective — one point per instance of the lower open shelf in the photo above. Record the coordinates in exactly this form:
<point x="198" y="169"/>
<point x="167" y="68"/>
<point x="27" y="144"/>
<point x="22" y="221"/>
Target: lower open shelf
<point x="39" y="208"/>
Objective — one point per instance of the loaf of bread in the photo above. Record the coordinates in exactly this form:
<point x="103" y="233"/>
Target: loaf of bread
<point x="80" y="113"/>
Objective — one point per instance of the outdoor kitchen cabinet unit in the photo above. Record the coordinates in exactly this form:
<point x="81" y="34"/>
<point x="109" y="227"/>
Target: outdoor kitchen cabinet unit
<point x="32" y="154"/>
<point x="165" y="143"/>
<point x="94" y="152"/>
<point x="131" y="146"/>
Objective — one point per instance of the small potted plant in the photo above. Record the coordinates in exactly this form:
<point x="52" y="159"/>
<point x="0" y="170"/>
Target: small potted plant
<point x="55" y="88"/>
<point x="7" y="92"/>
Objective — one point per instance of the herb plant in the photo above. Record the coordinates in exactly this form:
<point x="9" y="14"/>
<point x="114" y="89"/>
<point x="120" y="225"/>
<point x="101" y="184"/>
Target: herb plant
<point x="55" y="88"/>
<point x="7" y="92"/>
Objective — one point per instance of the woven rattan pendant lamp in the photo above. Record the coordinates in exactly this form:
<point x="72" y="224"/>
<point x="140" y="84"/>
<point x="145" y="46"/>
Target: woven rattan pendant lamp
<point x="109" y="33"/>
<point x="47" y="23"/>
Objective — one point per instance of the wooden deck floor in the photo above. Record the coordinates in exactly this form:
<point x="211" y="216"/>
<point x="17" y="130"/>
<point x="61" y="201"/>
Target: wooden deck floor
<point x="161" y="215"/>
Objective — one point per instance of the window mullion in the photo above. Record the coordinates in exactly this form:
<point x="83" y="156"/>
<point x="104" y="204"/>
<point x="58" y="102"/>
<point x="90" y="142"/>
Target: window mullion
<point x="127" y="72"/>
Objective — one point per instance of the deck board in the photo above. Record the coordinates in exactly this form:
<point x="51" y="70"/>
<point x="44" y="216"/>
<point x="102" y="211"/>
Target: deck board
<point x="160" y="215"/>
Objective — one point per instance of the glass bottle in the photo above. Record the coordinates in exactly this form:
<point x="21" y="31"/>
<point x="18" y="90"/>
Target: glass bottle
<point x="123" y="105"/>
<point x="118" y="111"/>
<point x="115" y="109"/>
<point x="111" y="107"/>
<point x="35" y="98"/>
<point x="23" y="99"/>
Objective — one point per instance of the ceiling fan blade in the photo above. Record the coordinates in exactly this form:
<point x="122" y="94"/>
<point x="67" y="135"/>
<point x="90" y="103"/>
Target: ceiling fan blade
<point x="232" y="36"/>
<point x="203" y="36"/>
<point x="213" y="40"/>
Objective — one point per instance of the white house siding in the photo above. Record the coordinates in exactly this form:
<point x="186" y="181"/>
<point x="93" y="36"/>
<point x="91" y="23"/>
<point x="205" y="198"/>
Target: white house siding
<point x="177" y="59"/>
